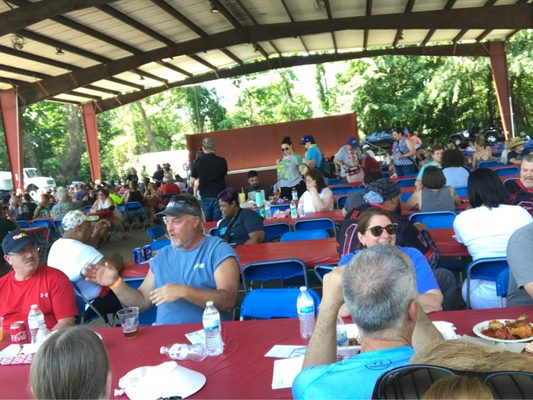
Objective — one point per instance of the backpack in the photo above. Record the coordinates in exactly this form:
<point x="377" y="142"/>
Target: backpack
<point x="408" y="235"/>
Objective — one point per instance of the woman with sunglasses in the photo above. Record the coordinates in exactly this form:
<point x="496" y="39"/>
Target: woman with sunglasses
<point x="376" y="226"/>
<point x="287" y="169"/>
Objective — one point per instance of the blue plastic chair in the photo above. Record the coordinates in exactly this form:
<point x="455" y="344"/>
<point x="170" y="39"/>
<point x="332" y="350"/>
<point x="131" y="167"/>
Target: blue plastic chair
<point x="214" y="231"/>
<point x="341" y="201"/>
<point x="273" y="303"/>
<point x="264" y="271"/>
<point x="345" y="189"/>
<point x="321" y="270"/>
<point x="488" y="269"/>
<point x="159" y="244"/>
<point x="304" y="235"/>
<point x="434" y="219"/>
<point x="147" y="317"/>
<point x="506" y="171"/>
<point x="156" y="231"/>
<point x="462" y="191"/>
<point x="406" y="196"/>
<point x="134" y="209"/>
<point x="83" y="303"/>
<point x="502" y="285"/>
<point x="312" y="224"/>
<point x="489" y="164"/>
<point x="403" y="183"/>
<point x="22" y="223"/>
<point x="334" y="181"/>
<point x="88" y="209"/>
<point x="273" y="232"/>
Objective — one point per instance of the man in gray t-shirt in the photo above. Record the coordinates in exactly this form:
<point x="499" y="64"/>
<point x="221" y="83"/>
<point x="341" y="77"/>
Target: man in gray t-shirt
<point x="519" y="257"/>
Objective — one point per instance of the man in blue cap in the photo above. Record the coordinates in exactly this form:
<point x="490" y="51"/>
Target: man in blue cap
<point x="313" y="155"/>
<point x="348" y="162"/>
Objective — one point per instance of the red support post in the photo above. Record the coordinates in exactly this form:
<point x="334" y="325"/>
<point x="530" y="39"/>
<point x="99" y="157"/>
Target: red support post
<point x="91" y="136"/>
<point x="500" y="76"/>
<point x="13" y="135"/>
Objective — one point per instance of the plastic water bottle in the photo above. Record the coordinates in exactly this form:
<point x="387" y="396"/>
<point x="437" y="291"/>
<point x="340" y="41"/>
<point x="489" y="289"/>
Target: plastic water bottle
<point x="42" y="333"/>
<point x="211" y="322"/>
<point x="306" y="313"/>
<point x="35" y="319"/>
<point x="294" y="212"/>
<point x="268" y="210"/>
<point x="294" y="194"/>
<point x="342" y="336"/>
<point x="182" y="351"/>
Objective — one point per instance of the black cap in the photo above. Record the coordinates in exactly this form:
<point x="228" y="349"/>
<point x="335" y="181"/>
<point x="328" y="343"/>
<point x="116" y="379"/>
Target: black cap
<point x="182" y="204"/>
<point x="14" y="241"/>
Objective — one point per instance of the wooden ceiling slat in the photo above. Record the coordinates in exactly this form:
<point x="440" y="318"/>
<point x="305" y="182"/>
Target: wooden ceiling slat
<point x="175" y="68"/>
<point x="330" y="16"/>
<point x="37" y="58"/>
<point x="150" y="76"/>
<point x="486" y="32"/>
<point x="292" y="20"/>
<point x="123" y="82"/>
<point x="408" y="8"/>
<point x="203" y="62"/>
<point x="475" y="50"/>
<point x="26" y="15"/>
<point x="462" y="32"/>
<point x="368" y="14"/>
<point x="104" y="90"/>
<point x="498" y="17"/>
<point x="21" y="71"/>
<point x="448" y="6"/>
<point x="85" y="95"/>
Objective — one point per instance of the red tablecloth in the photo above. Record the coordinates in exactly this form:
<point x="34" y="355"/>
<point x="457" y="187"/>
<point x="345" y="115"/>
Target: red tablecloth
<point x="311" y="252"/>
<point x="242" y="371"/>
<point x="448" y="246"/>
<point x="102" y="214"/>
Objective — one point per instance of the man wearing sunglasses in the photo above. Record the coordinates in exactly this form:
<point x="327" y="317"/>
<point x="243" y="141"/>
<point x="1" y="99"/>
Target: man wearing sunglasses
<point x="379" y="288"/>
<point x="31" y="283"/>
<point x="196" y="268"/>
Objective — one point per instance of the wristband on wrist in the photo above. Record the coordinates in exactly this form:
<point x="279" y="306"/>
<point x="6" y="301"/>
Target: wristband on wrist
<point x="117" y="283"/>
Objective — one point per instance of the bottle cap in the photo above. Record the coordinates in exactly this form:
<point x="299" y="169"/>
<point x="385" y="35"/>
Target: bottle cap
<point x="209" y="303"/>
<point x="303" y="288"/>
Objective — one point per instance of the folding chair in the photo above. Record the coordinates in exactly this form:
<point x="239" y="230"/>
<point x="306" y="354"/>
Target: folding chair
<point x="159" y="244"/>
<point x="434" y="219"/>
<point x="274" y="231"/>
<point x="344" y="189"/>
<point x="146" y="317"/>
<point x="304" y="235"/>
<point x="488" y="269"/>
<point x="156" y="231"/>
<point x="22" y="223"/>
<point x="321" y="270"/>
<point x="134" y="209"/>
<point x="315" y="223"/>
<point x="502" y="285"/>
<point x="403" y="183"/>
<point x="83" y="304"/>
<point x="489" y="164"/>
<point x="273" y="303"/>
<point x="341" y="201"/>
<point x="265" y="271"/>
<point x="462" y="191"/>
<point x="44" y="239"/>
<point x="506" y="171"/>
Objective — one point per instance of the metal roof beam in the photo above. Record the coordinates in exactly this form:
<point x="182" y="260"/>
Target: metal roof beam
<point x="368" y="13"/>
<point x="504" y="17"/>
<point x="293" y="20"/>
<point x="23" y="16"/>
<point x="408" y="8"/>
<point x="285" y="62"/>
<point x="448" y="6"/>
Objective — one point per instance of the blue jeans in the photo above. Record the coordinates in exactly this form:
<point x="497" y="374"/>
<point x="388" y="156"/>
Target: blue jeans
<point x="402" y="170"/>
<point x="211" y="209"/>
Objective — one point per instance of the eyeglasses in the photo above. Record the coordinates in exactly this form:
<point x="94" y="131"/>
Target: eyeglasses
<point x="378" y="230"/>
<point x="285" y="148"/>
<point x="409" y="381"/>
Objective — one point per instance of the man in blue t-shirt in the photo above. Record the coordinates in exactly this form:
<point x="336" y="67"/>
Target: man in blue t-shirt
<point x="379" y="289"/>
<point x="313" y="155"/>
<point x="195" y="269"/>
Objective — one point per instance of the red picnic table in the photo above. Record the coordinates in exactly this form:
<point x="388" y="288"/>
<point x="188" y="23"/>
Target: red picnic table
<point x="448" y="246"/>
<point x="242" y="371"/>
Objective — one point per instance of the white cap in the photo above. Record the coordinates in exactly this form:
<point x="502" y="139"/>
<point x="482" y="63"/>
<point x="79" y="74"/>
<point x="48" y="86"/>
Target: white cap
<point x="209" y="303"/>
<point x="303" y="288"/>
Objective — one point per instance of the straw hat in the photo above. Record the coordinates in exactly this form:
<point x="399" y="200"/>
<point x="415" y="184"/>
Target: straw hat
<point x="515" y="142"/>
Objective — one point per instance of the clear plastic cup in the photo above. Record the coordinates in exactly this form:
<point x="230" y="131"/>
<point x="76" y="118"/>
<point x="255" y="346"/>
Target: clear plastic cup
<point x="1" y="328"/>
<point x="129" y="320"/>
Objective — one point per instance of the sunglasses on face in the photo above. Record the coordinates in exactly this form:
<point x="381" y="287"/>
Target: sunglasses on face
<point x="378" y="230"/>
<point x="285" y="148"/>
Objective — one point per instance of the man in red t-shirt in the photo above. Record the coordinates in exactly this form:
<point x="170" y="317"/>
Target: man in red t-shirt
<point x="521" y="190"/>
<point x="168" y="187"/>
<point x="30" y="283"/>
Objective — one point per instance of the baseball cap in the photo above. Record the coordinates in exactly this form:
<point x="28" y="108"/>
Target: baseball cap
<point x="208" y="144"/>
<point x="72" y="220"/>
<point x="385" y="187"/>
<point x="353" y="142"/>
<point x="15" y="240"/>
<point x="181" y="205"/>
<point x="307" y="138"/>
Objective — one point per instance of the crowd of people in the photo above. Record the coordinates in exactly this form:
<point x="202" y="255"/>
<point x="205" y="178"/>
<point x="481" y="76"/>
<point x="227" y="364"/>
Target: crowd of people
<point x="386" y="281"/>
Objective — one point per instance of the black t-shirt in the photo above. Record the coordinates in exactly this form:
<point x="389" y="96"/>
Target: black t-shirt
<point x="266" y="188"/>
<point x="211" y="170"/>
<point x="158" y="175"/>
<point x="247" y="221"/>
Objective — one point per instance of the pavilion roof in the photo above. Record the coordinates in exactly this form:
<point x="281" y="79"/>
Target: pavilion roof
<point x="115" y="52"/>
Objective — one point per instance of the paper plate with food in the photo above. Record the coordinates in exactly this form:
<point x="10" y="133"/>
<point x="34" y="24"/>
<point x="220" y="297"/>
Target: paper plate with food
<point x="506" y="330"/>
